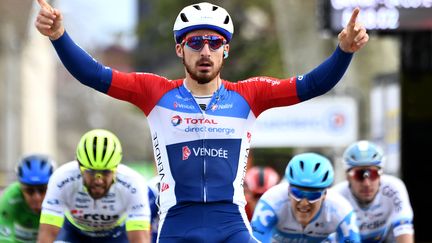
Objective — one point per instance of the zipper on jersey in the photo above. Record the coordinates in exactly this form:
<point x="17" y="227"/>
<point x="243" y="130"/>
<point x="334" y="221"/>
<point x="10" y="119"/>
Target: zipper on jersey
<point x="204" y="167"/>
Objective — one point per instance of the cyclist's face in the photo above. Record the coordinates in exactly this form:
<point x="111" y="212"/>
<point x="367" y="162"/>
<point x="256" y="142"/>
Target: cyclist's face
<point x="304" y="211"/>
<point x="97" y="182"/>
<point x="203" y="65"/>
<point x="364" y="182"/>
<point x="34" y="196"/>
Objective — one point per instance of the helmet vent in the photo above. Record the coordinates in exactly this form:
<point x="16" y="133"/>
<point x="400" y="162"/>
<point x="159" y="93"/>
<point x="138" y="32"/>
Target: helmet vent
<point x="227" y="19"/>
<point x="261" y="177"/>
<point x="86" y="152"/>
<point x="302" y="164"/>
<point x="325" y="176"/>
<point x="28" y="164"/>
<point x="94" y="147"/>
<point x="105" y="146"/>
<point x="197" y="7"/>
<point x="214" y="8"/>
<point x="317" y="165"/>
<point x="43" y="163"/>
<point x="183" y="17"/>
<point x="291" y="173"/>
<point x="375" y="155"/>
<point x="111" y="155"/>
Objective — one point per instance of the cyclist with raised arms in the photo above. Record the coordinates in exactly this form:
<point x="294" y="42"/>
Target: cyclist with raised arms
<point x="21" y="202"/>
<point x="201" y="125"/>
<point x="303" y="210"/>
<point x="381" y="202"/>
<point x="95" y="198"/>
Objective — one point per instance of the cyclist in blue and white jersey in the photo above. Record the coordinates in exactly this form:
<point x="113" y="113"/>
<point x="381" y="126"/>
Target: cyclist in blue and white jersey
<point x="95" y="198"/>
<point x="303" y="210"/>
<point x="381" y="202"/>
<point x="201" y="125"/>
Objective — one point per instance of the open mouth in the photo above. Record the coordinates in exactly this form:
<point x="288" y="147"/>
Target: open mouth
<point x="205" y="64"/>
<point x="303" y="210"/>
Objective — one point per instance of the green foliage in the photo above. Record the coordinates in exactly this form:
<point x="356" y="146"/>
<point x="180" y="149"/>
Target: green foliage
<point x="257" y="56"/>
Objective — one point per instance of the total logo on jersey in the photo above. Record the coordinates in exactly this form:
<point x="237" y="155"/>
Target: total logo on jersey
<point x="200" y="151"/>
<point x="177" y="120"/>
<point x="195" y="122"/>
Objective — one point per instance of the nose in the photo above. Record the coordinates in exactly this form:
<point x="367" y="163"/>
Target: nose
<point x="205" y="51"/>
<point x="304" y="202"/>
<point x="367" y="181"/>
<point x="98" y="179"/>
<point x="37" y="196"/>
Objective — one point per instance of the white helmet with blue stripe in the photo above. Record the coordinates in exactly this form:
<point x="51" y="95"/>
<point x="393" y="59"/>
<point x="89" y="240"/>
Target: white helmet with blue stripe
<point x="203" y="16"/>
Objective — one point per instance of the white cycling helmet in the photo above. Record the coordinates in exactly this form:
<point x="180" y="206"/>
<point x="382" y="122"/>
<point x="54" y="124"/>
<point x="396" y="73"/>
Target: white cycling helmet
<point x="363" y="153"/>
<point x="203" y="16"/>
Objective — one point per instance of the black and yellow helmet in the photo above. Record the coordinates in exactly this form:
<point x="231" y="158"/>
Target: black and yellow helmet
<point x="99" y="149"/>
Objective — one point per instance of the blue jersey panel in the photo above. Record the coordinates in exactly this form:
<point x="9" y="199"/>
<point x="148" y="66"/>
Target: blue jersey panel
<point x="212" y="163"/>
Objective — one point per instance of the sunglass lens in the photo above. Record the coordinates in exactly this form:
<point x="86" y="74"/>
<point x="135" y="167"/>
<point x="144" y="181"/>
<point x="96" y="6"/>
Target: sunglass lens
<point x="362" y="174"/>
<point x="195" y="42"/>
<point x="215" y="43"/>
<point x="311" y="196"/>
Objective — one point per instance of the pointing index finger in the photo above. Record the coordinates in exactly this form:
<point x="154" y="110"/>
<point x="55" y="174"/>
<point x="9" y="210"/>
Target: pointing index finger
<point x="44" y="4"/>
<point x="351" y="22"/>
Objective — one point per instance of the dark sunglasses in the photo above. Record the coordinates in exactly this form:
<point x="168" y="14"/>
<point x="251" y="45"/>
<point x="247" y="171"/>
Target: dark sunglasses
<point x="311" y="196"/>
<point x="197" y="42"/>
<point x="30" y="190"/>
<point x="363" y="173"/>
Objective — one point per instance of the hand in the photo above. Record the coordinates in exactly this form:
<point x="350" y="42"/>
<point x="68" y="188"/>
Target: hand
<point x="49" y="21"/>
<point x="353" y="37"/>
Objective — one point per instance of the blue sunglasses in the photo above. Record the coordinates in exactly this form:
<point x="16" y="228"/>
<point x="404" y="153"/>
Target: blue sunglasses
<point x="197" y="42"/>
<point x="311" y="196"/>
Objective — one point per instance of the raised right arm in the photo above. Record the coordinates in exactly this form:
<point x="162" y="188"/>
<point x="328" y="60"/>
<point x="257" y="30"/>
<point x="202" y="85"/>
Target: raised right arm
<point x="78" y="62"/>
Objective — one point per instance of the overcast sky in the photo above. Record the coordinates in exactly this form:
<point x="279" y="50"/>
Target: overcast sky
<point x="98" y="23"/>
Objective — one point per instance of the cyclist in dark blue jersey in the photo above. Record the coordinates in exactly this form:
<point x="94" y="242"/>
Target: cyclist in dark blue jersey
<point x="201" y="125"/>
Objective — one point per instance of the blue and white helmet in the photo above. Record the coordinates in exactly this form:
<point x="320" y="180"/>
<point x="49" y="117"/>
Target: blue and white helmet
<point x="203" y="16"/>
<point x="310" y="170"/>
<point x="35" y="169"/>
<point x="363" y="153"/>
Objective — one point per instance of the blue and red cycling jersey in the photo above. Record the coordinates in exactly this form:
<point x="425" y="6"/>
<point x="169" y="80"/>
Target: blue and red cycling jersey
<point x="201" y="155"/>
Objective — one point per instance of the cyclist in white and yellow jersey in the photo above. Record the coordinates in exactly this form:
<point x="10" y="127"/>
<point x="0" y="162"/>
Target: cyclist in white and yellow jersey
<point x="95" y="198"/>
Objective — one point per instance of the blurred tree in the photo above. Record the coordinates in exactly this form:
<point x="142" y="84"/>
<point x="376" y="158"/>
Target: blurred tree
<point x="254" y="50"/>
